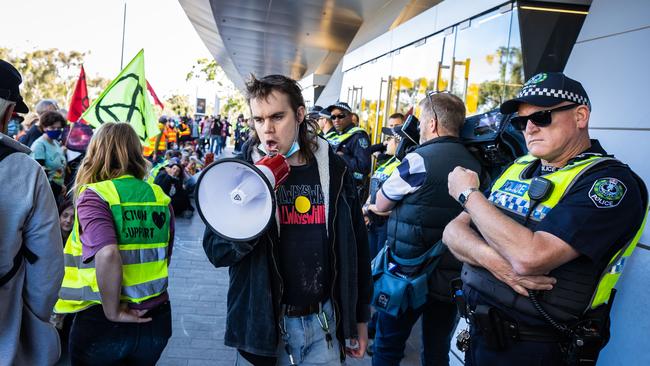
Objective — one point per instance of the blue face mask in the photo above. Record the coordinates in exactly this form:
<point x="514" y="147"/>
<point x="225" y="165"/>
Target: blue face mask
<point x="292" y="150"/>
<point x="54" y="135"/>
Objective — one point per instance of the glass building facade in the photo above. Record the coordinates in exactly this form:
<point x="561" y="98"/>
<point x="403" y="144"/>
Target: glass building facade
<point x="484" y="60"/>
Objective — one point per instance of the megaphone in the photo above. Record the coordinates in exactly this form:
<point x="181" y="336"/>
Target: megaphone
<point x="236" y="199"/>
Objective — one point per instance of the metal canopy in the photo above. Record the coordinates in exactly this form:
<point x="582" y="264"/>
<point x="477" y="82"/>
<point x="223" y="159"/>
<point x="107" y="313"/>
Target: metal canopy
<point x="294" y="38"/>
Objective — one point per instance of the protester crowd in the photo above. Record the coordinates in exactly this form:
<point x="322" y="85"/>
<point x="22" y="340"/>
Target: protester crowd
<point x="388" y="228"/>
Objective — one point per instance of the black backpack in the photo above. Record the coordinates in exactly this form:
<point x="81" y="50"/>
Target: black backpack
<point x="23" y="252"/>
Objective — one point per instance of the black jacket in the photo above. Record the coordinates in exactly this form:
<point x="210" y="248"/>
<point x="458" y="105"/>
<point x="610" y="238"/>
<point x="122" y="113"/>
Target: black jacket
<point x="256" y="287"/>
<point x="418" y="220"/>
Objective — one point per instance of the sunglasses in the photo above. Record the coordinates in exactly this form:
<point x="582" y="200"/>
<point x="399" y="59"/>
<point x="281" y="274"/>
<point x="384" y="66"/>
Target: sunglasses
<point x="430" y="94"/>
<point x="539" y="119"/>
<point x="334" y="117"/>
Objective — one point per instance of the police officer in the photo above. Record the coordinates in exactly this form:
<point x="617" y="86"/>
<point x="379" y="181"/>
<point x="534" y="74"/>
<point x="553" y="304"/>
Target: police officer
<point x="327" y="129"/>
<point x="416" y="193"/>
<point x="351" y="144"/>
<point x="544" y="251"/>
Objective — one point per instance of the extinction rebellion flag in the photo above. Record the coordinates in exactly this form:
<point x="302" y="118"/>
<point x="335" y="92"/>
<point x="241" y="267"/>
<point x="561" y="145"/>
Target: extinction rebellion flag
<point x="126" y="100"/>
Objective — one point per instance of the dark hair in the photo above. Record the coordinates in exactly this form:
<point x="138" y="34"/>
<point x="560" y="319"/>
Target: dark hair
<point x="51" y="118"/>
<point x="262" y="88"/>
<point x="68" y="202"/>
<point x="397" y="115"/>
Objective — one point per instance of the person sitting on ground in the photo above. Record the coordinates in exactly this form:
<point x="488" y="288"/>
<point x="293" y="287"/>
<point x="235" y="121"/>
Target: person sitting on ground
<point x="47" y="151"/>
<point x="117" y="256"/>
<point x="66" y="218"/>
<point x="170" y="179"/>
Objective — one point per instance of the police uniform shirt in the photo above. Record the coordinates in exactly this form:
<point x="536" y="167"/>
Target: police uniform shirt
<point x="597" y="217"/>
<point x="356" y="153"/>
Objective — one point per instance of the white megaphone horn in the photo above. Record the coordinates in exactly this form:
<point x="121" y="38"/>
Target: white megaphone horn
<point x="236" y="199"/>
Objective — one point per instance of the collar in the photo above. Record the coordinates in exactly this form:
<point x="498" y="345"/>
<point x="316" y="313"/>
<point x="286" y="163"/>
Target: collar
<point x="441" y="139"/>
<point x="347" y="128"/>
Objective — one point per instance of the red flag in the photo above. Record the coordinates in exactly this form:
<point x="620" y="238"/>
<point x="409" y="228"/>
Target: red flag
<point x="79" y="102"/>
<point x="155" y="97"/>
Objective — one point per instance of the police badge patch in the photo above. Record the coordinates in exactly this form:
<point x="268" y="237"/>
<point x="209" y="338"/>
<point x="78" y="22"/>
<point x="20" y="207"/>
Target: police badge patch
<point x="607" y="192"/>
<point x="363" y="142"/>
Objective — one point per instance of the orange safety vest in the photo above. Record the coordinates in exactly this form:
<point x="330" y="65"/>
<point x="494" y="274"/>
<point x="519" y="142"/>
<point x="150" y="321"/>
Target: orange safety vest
<point x="147" y="149"/>
<point x="183" y="130"/>
<point x="170" y="133"/>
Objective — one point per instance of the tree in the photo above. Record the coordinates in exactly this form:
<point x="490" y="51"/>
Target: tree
<point x="179" y="105"/>
<point x="209" y="70"/>
<point x="52" y="74"/>
<point x="511" y="77"/>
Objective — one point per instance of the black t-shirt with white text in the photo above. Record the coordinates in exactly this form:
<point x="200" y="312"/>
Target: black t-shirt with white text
<point x="304" y="250"/>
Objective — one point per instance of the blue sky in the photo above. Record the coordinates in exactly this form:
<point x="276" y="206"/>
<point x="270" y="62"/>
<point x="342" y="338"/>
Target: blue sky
<point x="159" y="26"/>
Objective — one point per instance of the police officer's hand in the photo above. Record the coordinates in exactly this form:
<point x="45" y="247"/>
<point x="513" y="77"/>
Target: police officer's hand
<point x="460" y="180"/>
<point x="503" y="271"/>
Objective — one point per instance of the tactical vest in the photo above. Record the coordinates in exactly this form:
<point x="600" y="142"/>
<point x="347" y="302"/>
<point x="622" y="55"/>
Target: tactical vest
<point x="337" y="139"/>
<point x="580" y="285"/>
<point x="141" y="217"/>
<point x="418" y="220"/>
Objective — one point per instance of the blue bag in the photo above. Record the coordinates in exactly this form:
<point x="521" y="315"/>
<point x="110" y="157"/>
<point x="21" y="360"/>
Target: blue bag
<point x="395" y="292"/>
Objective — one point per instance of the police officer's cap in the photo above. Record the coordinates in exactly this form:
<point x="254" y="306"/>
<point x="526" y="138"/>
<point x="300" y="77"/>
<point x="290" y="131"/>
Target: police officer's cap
<point x="340" y="105"/>
<point x="314" y="112"/>
<point x="547" y="89"/>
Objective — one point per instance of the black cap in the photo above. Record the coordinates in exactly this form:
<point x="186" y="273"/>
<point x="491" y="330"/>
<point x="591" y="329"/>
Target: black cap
<point x="10" y="79"/>
<point x="547" y="89"/>
<point x="325" y="113"/>
<point x="340" y="105"/>
<point x="314" y="112"/>
<point x="408" y="130"/>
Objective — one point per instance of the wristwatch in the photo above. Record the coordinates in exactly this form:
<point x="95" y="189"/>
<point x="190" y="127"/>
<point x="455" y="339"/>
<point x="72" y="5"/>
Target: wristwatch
<point x="464" y="196"/>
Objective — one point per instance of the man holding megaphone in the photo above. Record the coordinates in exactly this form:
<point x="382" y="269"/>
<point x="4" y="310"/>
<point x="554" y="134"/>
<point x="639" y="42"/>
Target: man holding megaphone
<point x="300" y="287"/>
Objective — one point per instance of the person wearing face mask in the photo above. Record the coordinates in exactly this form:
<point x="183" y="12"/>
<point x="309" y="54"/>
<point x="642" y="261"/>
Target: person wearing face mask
<point x="302" y="289"/>
<point x="47" y="151"/>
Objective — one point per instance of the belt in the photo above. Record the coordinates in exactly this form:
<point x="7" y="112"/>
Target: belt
<point x="294" y="311"/>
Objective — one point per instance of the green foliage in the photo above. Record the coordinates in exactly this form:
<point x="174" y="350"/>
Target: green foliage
<point x="51" y="73"/>
<point x="209" y="70"/>
<point x="511" y="77"/>
<point x="179" y="105"/>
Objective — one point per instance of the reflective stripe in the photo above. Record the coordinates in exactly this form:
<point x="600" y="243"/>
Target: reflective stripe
<point x="133" y="256"/>
<point x="141" y="290"/>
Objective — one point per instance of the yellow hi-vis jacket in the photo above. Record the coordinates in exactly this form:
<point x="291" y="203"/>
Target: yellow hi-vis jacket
<point x="141" y="217"/>
<point x="578" y="288"/>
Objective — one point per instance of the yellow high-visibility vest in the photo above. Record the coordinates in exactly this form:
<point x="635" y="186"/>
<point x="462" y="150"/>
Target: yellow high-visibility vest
<point x="141" y="216"/>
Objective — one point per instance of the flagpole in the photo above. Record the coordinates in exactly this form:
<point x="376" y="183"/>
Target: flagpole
<point x="123" y="33"/>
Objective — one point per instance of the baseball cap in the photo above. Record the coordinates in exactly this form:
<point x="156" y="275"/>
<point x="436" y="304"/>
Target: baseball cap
<point x="10" y="79"/>
<point x="314" y="112"/>
<point x="340" y="105"/>
<point x="547" y="89"/>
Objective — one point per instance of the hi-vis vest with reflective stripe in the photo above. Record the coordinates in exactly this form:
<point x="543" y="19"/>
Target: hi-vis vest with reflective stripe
<point x="148" y="147"/>
<point x="337" y="139"/>
<point x="141" y="217"/>
<point x="386" y="169"/>
<point x="578" y="287"/>
<point x="156" y="169"/>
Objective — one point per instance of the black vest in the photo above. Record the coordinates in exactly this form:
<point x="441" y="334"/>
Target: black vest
<point x="417" y="222"/>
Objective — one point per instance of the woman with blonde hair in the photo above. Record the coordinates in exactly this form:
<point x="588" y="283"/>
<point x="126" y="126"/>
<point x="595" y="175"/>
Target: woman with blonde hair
<point x="117" y="255"/>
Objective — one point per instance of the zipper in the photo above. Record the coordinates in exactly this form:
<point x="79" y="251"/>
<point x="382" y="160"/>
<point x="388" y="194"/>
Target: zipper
<point x="277" y="271"/>
<point x="334" y="303"/>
